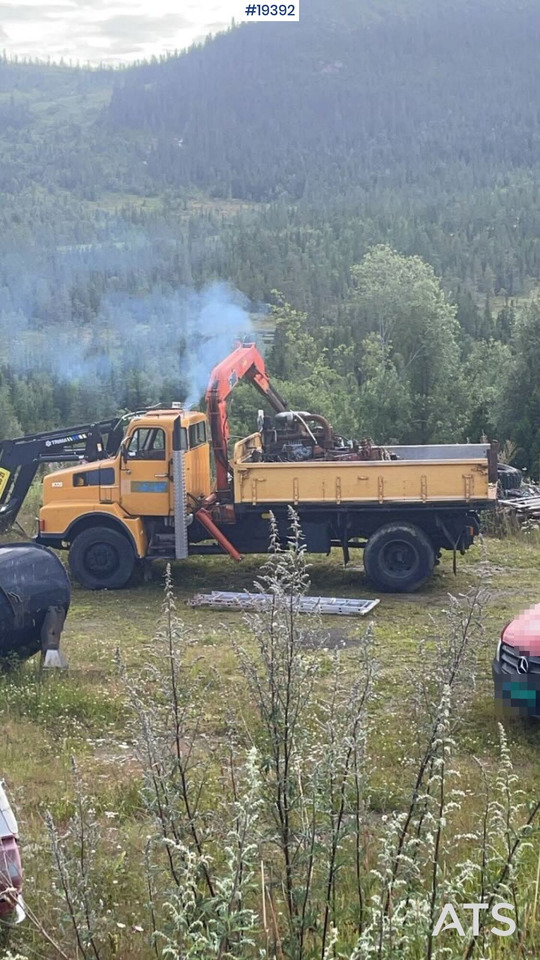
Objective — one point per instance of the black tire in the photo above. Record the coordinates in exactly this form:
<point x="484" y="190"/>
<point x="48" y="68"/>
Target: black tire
<point x="101" y="559"/>
<point x="399" y="558"/>
<point x="510" y="478"/>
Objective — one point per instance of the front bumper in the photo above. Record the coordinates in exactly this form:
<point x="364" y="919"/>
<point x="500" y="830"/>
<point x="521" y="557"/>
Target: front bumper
<point x="515" y="692"/>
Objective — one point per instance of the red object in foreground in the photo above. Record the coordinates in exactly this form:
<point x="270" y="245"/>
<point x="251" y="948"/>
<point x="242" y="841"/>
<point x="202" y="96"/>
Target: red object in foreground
<point x="516" y="667"/>
<point x="11" y="908"/>
<point x="10" y="875"/>
<point x="523" y="633"/>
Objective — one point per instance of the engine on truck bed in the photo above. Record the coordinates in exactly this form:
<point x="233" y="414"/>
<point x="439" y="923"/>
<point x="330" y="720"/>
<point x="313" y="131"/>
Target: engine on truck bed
<point x="294" y="436"/>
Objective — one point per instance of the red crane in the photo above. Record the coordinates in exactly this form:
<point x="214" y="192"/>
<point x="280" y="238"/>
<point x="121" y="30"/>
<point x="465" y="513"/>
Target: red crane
<point x="244" y="363"/>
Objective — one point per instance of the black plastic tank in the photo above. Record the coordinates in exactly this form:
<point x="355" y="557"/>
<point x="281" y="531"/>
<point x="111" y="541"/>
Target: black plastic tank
<point x="510" y="478"/>
<point x="33" y="585"/>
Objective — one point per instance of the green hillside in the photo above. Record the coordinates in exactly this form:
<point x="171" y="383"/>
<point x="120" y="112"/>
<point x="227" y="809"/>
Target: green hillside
<point x="339" y="103"/>
<point x="273" y="158"/>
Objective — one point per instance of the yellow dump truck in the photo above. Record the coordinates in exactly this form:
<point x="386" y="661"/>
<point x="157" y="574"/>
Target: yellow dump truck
<point x="160" y="493"/>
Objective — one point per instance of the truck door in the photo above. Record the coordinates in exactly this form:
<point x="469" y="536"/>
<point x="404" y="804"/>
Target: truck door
<point x="145" y="475"/>
<point x="198" y="461"/>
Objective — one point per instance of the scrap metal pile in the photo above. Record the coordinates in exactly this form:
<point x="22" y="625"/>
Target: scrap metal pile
<point x="526" y="507"/>
<point x="294" y="435"/>
<point x="519" y="500"/>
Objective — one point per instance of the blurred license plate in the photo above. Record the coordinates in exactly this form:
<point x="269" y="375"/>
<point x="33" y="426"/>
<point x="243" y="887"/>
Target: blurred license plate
<point x="518" y="692"/>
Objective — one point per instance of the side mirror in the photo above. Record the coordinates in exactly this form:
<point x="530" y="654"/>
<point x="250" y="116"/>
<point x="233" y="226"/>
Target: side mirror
<point x="124" y="451"/>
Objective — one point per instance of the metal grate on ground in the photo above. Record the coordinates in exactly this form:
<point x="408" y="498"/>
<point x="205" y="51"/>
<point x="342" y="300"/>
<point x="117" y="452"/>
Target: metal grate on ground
<point x="227" y="600"/>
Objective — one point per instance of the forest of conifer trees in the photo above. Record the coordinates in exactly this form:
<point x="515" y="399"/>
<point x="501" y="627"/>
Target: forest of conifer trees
<point x="368" y="186"/>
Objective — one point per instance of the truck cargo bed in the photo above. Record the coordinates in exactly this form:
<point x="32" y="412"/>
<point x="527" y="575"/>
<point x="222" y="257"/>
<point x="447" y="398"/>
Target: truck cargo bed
<point x="350" y="481"/>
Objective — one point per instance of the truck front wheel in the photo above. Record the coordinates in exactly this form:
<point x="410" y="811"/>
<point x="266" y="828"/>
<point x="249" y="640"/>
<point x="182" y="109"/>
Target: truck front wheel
<point x="101" y="559"/>
<point x="399" y="558"/>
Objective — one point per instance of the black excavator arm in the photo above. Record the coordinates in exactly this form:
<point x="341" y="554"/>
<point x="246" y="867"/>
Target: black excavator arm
<point x="21" y="457"/>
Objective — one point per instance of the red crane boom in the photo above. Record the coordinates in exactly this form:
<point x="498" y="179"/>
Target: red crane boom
<point x="244" y="363"/>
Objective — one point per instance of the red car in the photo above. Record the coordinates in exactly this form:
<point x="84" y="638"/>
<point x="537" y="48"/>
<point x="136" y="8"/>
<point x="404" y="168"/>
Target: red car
<point x="516" y="667"/>
<point x="11" y="903"/>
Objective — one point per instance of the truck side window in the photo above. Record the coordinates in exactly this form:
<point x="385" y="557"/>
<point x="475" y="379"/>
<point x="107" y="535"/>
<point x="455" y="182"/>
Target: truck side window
<point x="197" y="434"/>
<point x="147" y="443"/>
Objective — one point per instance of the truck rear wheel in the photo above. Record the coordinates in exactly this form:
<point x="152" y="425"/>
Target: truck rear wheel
<point x="399" y="558"/>
<point x="101" y="559"/>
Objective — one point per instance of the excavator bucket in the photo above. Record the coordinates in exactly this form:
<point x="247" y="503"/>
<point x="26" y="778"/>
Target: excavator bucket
<point x="35" y="594"/>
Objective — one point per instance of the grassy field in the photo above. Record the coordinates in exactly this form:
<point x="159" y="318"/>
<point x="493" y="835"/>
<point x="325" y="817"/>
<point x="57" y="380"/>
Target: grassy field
<point x="85" y="713"/>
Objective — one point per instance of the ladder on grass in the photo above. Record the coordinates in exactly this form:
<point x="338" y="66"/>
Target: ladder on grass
<point x="227" y="600"/>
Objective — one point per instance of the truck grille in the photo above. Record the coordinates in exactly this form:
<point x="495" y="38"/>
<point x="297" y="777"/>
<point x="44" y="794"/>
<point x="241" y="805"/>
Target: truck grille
<point x="510" y="658"/>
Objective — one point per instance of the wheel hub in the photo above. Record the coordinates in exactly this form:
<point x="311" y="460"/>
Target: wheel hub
<point x="399" y="558"/>
<point x="101" y="559"/>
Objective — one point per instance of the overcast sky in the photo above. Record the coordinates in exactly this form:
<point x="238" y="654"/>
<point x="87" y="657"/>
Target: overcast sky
<point x="108" y="31"/>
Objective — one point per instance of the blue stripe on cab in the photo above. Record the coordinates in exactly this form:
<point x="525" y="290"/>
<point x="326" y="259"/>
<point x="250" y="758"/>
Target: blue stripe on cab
<point x="149" y="486"/>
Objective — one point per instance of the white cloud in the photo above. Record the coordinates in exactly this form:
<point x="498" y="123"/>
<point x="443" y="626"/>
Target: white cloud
<point x="108" y="31"/>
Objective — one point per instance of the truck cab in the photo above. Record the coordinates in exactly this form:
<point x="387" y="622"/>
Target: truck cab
<point x="94" y="508"/>
<point x="145" y="468"/>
